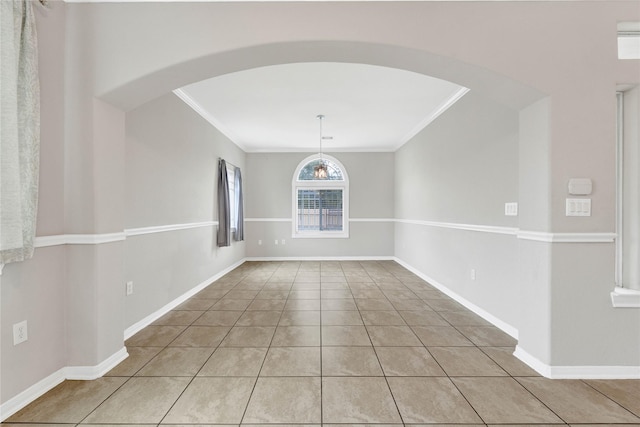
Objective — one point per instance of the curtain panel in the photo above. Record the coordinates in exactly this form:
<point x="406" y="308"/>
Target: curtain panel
<point x="19" y="130"/>
<point x="224" y="208"/>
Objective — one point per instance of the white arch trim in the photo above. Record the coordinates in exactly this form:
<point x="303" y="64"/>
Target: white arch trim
<point x="316" y="156"/>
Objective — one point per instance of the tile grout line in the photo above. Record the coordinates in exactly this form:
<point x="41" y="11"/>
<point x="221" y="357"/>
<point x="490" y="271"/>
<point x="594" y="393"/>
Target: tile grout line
<point x="133" y="375"/>
<point x="539" y="400"/>
<point x="208" y="358"/>
<point x="244" y="413"/>
<point x="448" y="376"/>
<point x="508" y="374"/>
<point x="611" y="399"/>
<point x="421" y="297"/>
<point x="384" y="375"/>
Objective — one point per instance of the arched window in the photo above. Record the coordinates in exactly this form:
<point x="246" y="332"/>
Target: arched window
<point x="320" y="205"/>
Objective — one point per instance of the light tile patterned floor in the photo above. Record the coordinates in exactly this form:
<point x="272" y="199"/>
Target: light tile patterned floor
<point x="327" y="343"/>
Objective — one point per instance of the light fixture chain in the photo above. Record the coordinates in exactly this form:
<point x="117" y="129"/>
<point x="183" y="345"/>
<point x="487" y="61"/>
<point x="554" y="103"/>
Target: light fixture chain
<point x="320" y="117"/>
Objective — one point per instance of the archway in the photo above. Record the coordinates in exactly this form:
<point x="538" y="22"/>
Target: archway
<point x="129" y="94"/>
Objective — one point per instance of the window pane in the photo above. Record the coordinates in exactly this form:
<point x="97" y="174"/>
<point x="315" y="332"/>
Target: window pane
<point x="306" y="174"/>
<point x="320" y="210"/>
<point x="231" y="178"/>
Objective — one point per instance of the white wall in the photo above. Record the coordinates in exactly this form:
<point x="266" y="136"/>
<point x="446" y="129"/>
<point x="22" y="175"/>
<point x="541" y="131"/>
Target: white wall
<point x="35" y="290"/>
<point x="534" y="265"/>
<point x="268" y="194"/>
<point x="460" y="171"/>
<point x="171" y="179"/>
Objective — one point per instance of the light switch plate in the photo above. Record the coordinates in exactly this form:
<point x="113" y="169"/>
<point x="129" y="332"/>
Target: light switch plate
<point x="578" y="207"/>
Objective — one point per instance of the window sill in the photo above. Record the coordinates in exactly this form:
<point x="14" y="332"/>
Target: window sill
<point x="326" y="235"/>
<point x="625" y="298"/>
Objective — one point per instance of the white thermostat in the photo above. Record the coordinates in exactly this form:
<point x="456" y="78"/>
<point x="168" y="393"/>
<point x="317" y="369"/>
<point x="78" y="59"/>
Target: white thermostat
<point x="580" y="186"/>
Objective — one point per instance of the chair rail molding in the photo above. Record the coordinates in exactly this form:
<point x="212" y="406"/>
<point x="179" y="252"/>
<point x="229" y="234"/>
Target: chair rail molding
<point x="97" y="239"/>
<point x="164" y="228"/>
<point x="79" y="239"/>
<point x="541" y="236"/>
<point x="457" y="226"/>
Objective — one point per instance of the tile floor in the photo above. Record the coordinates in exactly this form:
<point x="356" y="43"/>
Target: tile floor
<point x="327" y="343"/>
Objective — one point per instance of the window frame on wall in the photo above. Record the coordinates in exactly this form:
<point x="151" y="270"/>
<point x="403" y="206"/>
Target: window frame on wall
<point x="627" y="198"/>
<point x="233" y="208"/>
<point x="329" y="186"/>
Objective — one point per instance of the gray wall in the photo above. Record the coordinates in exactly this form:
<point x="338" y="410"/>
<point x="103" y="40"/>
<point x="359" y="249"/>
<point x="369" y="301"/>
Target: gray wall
<point x="461" y="170"/>
<point x="171" y="179"/>
<point x="118" y="53"/>
<point x="34" y="290"/>
<point x="268" y="194"/>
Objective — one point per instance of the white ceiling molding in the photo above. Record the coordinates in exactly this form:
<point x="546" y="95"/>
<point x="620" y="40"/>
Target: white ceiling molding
<point x="208" y="117"/>
<point x="434" y="115"/>
<point x="278" y="1"/>
<point x="368" y="108"/>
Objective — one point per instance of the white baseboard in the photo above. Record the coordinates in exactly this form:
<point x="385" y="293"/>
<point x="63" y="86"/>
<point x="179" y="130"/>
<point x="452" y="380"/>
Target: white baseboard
<point x="18" y="402"/>
<point x="321" y="258"/>
<point x="477" y="310"/>
<point x="577" y="372"/>
<point x="533" y="362"/>
<point x="548" y="371"/>
<point x="93" y="372"/>
<point x="140" y="325"/>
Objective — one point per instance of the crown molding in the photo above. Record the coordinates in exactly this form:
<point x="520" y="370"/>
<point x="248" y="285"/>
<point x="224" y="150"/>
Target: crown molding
<point x="186" y="98"/>
<point x="455" y="97"/>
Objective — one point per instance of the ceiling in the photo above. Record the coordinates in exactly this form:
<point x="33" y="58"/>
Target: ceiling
<point x="366" y="108"/>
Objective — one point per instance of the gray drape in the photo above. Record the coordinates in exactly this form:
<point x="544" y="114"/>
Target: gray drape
<point x="224" y="212"/>
<point x="239" y="235"/>
<point x="19" y="130"/>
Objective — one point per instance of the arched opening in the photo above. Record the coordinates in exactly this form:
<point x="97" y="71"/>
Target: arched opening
<point x="128" y="94"/>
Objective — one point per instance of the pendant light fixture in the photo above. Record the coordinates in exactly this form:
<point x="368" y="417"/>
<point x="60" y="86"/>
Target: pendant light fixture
<point x="320" y="171"/>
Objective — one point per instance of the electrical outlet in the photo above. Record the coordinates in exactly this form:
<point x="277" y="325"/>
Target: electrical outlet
<point x="129" y="288"/>
<point x="511" y="209"/>
<point x="282" y="241"/>
<point x="276" y="241"/>
<point x="473" y="274"/>
<point x="20" y="332"/>
<point x="259" y="242"/>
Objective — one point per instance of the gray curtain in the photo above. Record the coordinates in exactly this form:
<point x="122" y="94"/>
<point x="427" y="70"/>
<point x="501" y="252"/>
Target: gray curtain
<point x="19" y="130"/>
<point x="239" y="235"/>
<point x="224" y="212"/>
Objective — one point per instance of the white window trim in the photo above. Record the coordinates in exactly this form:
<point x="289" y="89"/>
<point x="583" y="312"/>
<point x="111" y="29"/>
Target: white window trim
<point x="629" y="40"/>
<point x="313" y="184"/>
<point x="622" y="296"/>
<point x="233" y="209"/>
